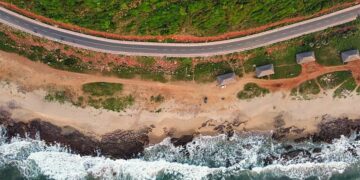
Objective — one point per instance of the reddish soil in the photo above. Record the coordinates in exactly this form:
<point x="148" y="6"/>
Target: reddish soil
<point x="177" y="38"/>
<point x="354" y="67"/>
<point x="309" y="71"/>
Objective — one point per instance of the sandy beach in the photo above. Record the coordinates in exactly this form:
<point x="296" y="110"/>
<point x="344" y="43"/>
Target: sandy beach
<point x="254" y="115"/>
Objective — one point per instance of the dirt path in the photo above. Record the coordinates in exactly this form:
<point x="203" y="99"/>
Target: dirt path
<point x="35" y="75"/>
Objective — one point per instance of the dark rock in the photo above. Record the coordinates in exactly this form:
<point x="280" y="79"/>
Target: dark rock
<point x="247" y="146"/>
<point x="330" y="130"/>
<point x="316" y="150"/>
<point x="295" y="153"/>
<point x="182" y="141"/>
<point x="296" y="130"/>
<point x="227" y="163"/>
<point x="302" y="139"/>
<point x="237" y="122"/>
<point x="121" y="144"/>
<point x="280" y="133"/>
<point x="279" y="121"/>
<point x="220" y="128"/>
<point x="269" y="160"/>
<point x="4" y="115"/>
<point x="205" y="100"/>
<point x="288" y="147"/>
<point x="230" y="133"/>
<point x="352" y="151"/>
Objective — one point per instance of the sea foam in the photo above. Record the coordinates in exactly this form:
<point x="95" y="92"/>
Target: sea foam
<point x="205" y="157"/>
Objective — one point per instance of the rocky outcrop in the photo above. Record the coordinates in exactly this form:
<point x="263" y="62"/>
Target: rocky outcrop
<point x="182" y="141"/>
<point x="295" y="153"/>
<point x="329" y="129"/>
<point x="118" y="144"/>
<point x="333" y="129"/>
<point x="124" y="144"/>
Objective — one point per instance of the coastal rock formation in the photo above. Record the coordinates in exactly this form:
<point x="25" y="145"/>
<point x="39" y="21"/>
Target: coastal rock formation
<point x="124" y="144"/>
<point x="118" y="144"/>
<point x="329" y="129"/>
<point x="182" y="141"/>
<point x="130" y="143"/>
<point x="332" y="129"/>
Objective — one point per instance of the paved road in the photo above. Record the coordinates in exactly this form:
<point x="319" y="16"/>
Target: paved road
<point x="177" y="49"/>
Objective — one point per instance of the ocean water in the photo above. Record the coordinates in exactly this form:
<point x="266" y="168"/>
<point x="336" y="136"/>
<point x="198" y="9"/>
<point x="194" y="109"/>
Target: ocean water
<point x="243" y="156"/>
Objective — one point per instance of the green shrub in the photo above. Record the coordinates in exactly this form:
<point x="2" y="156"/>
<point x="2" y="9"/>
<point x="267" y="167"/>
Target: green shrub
<point x="252" y="90"/>
<point x="7" y="44"/>
<point x="57" y="96"/>
<point x="131" y="72"/>
<point x="146" y="61"/>
<point x="184" y="72"/>
<point x="117" y="104"/>
<point x="309" y="87"/>
<point x="102" y="88"/>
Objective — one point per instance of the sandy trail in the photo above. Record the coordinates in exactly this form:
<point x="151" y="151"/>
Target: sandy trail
<point x="183" y="110"/>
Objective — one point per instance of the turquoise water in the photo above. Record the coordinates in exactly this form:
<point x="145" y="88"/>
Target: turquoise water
<point x="239" y="157"/>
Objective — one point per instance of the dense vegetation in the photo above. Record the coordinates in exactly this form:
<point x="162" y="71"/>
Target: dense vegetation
<point x="154" y="17"/>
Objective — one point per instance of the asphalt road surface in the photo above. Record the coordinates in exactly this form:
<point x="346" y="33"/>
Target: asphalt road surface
<point x="177" y="49"/>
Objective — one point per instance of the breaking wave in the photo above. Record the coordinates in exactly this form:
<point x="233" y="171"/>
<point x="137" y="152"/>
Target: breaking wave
<point x="247" y="156"/>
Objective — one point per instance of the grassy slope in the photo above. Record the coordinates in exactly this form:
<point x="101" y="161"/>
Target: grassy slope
<point x="154" y="17"/>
